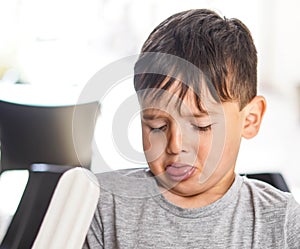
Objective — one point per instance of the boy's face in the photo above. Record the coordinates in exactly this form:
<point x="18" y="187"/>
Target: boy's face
<point x="189" y="151"/>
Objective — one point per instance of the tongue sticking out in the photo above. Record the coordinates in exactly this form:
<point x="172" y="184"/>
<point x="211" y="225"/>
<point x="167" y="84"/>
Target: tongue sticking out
<point x="180" y="173"/>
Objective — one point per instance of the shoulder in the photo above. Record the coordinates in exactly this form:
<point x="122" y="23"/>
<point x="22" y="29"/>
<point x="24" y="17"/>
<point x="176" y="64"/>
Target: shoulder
<point x="127" y="183"/>
<point x="273" y="204"/>
<point x="114" y="205"/>
<point x="265" y="195"/>
<point x="124" y="178"/>
<point x="132" y="172"/>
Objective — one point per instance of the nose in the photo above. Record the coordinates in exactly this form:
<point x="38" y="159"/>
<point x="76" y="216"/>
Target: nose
<point x="174" y="145"/>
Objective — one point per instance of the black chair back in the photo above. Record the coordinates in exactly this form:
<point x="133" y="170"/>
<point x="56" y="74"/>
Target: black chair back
<point x="46" y="134"/>
<point x="274" y="179"/>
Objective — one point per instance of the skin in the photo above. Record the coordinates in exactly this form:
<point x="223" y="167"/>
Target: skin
<point x="207" y="142"/>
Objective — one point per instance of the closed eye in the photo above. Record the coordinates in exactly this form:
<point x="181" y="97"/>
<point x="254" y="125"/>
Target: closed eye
<point x="158" y="129"/>
<point x="202" y="128"/>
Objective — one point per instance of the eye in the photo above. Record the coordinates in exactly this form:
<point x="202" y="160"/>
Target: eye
<point x="202" y="128"/>
<point x="158" y="129"/>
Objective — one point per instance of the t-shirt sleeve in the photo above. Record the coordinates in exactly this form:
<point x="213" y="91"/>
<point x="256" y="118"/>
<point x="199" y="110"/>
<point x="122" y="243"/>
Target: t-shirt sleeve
<point x="94" y="237"/>
<point x="293" y="224"/>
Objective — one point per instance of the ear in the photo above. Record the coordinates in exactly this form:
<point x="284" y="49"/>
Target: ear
<point x="254" y="112"/>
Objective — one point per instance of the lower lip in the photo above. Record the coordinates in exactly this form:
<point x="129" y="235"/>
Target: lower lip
<point x="179" y="174"/>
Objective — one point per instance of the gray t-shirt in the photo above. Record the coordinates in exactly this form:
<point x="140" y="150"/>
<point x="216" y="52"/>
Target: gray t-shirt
<point x="133" y="214"/>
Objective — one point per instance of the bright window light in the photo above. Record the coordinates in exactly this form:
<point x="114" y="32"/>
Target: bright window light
<point x="12" y="186"/>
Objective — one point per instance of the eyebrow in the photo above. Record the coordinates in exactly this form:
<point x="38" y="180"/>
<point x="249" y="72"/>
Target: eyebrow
<point x="157" y="116"/>
<point x="196" y="115"/>
<point x="151" y="116"/>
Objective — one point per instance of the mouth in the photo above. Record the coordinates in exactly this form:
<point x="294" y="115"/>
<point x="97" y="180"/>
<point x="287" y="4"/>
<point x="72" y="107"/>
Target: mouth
<point x="179" y="172"/>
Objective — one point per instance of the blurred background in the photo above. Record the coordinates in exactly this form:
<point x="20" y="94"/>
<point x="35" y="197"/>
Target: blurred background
<point x="55" y="46"/>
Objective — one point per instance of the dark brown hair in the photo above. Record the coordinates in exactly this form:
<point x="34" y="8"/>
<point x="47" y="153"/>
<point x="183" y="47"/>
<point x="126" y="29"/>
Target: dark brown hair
<point x="221" y="49"/>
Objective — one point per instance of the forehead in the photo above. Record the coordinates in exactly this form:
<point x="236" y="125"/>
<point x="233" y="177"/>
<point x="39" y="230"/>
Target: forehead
<point x="180" y="98"/>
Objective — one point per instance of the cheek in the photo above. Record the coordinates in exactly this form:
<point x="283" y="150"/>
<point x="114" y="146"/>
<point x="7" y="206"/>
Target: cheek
<point x="234" y="133"/>
<point x="232" y="144"/>
<point x="154" y="145"/>
<point x="228" y="144"/>
<point x="203" y="148"/>
<point x="146" y="141"/>
<point x="211" y="152"/>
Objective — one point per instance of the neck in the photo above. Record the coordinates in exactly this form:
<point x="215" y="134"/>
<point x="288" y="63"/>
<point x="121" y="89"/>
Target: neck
<point x="201" y="199"/>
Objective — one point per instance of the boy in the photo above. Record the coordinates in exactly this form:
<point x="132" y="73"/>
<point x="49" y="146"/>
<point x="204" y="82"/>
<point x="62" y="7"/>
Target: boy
<point x="196" y="83"/>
